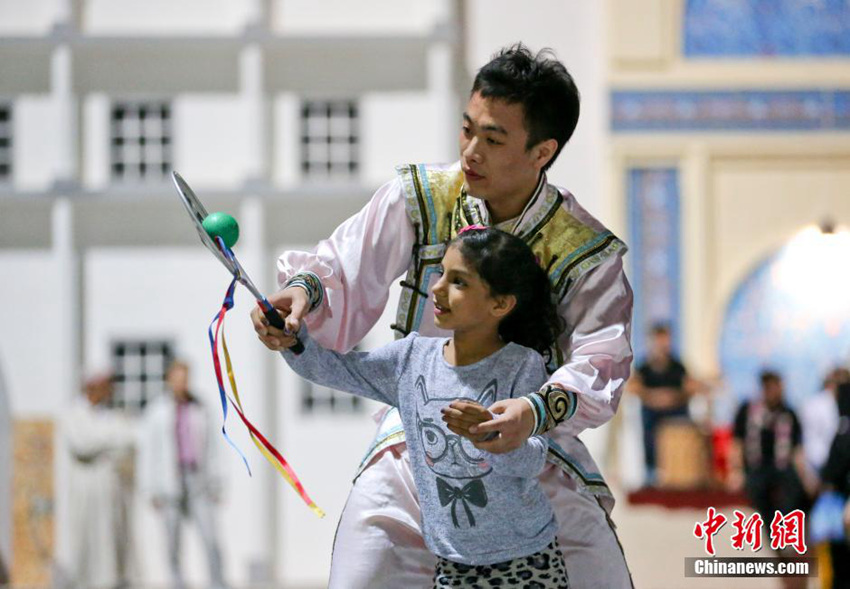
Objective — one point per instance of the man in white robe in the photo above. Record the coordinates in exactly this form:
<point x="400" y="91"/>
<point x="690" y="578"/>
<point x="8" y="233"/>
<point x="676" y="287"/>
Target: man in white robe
<point x="100" y="441"/>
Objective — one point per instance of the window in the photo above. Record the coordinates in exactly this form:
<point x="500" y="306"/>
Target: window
<point x="140" y="140"/>
<point x="329" y="139"/>
<point x="139" y="367"/>
<point x="319" y="399"/>
<point x="5" y="143"/>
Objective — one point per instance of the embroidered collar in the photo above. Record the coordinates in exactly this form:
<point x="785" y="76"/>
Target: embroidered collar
<point x="542" y="204"/>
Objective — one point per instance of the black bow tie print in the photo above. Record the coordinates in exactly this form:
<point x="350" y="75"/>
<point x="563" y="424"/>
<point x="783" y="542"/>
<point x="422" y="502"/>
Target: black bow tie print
<point x="472" y="492"/>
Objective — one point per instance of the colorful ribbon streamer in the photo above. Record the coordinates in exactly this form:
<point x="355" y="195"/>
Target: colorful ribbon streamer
<point x="263" y="445"/>
<point x="213" y="335"/>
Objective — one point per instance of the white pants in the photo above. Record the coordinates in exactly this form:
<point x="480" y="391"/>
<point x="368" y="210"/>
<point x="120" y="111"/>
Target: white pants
<point x="379" y="543"/>
<point x="194" y="504"/>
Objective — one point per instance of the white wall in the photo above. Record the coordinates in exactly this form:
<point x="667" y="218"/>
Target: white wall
<point x="96" y="157"/>
<point x="36" y="19"/>
<point x="387" y="17"/>
<point x="211" y="140"/>
<point x="399" y="128"/>
<point x="31" y="337"/>
<point x="164" y="17"/>
<point x="34" y="144"/>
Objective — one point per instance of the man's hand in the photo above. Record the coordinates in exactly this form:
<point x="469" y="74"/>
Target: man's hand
<point x="513" y="422"/>
<point x="292" y="304"/>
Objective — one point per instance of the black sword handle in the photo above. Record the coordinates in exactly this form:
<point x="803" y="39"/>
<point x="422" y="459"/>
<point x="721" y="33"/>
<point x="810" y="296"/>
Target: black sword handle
<point x="275" y="320"/>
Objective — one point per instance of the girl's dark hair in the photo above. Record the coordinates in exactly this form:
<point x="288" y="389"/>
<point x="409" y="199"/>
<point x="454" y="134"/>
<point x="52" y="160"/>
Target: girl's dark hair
<point x="509" y="267"/>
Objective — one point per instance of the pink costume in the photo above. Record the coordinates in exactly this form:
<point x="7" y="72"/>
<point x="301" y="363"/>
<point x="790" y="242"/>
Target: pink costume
<point x="379" y="543"/>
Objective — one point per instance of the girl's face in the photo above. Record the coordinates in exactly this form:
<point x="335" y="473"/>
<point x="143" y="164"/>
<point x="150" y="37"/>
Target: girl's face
<point x="462" y="300"/>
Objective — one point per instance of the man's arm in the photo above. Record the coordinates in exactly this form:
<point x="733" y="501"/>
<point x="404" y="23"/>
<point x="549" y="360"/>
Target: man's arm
<point x="341" y="287"/>
<point x="597" y="344"/>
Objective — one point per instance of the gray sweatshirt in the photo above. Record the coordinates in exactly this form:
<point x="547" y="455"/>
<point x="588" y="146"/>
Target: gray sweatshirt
<point x="477" y="507"/>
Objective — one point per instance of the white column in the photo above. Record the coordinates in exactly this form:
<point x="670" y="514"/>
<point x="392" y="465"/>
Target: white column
<point x="697" y="265"/>
<point x="67" y="129"/>
<point x="66" y="352"/>
<point x="253" y="255"/>
<point x="258" y="113"/>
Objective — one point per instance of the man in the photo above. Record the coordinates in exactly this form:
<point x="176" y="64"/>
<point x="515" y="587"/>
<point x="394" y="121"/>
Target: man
<point x="836" y="479"/>
<point x="767" y="456"/>
<point x="100" y="442"/>
<point x="522" y="111"/>
<point x="819" y="419"/>
<point x="664" y="388"/>
<point x="178" y="471"/>
<point x="768" y="444"/>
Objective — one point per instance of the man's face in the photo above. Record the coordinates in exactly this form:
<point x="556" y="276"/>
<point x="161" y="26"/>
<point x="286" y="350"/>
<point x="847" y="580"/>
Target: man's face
<point x="773" y="392"/>
<point x="178" y="380"/>
<point x="662" y="343"/>
<point x="100" y="390"/>
<point x="496" y="164"/>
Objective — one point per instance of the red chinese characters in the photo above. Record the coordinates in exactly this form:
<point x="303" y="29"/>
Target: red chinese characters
<point x="747" y="531"/>
<point x="708" y="529"/>
<point x="785" y="531"/>
<point x="789" y="530"/>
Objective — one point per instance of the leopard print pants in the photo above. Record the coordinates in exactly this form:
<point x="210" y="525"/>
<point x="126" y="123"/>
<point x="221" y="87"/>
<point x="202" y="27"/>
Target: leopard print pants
<point x="541" y="570"/>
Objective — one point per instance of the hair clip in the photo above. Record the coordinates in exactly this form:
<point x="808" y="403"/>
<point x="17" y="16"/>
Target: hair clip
<point x="475" y="227"/>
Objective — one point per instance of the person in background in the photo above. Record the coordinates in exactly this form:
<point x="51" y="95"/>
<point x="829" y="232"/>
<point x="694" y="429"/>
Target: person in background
<point x="664" y="388"/>
<point x="819" y="419"/>
<point x="767" y="457"/>
<point x="836" y="478"/>
<point x="178" y="472"/>
<point x="100" y="442"/>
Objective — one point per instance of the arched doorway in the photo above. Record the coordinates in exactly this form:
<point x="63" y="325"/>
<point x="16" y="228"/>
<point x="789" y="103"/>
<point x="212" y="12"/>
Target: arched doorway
<point x="791" y="314"/>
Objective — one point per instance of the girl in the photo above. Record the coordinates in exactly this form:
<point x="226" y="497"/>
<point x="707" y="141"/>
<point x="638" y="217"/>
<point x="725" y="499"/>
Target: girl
<point x="484" y="515"/>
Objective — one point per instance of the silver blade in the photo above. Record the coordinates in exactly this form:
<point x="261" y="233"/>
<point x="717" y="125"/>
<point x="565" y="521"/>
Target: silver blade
<point x="198" y="213"/>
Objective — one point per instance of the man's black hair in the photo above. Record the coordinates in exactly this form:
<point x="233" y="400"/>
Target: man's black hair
<point x="660" y="328"/>
<point x="541" y="85"/>
<point x="769" y="375"/>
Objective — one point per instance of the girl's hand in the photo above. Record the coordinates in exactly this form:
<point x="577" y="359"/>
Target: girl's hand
<point x="462" y="414"/>
<point x="514" y="421"/>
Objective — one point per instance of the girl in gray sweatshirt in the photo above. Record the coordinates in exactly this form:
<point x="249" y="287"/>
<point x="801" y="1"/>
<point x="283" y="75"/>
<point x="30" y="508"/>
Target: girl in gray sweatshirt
<point x="484" y="515"/>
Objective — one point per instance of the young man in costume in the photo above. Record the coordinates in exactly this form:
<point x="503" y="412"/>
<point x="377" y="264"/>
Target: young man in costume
<point x="522" y="110"/>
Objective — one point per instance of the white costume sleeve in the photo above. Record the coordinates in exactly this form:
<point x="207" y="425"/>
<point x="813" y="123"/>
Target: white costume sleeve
<point x="596" y="341"/>
<point x="356" y="265"/>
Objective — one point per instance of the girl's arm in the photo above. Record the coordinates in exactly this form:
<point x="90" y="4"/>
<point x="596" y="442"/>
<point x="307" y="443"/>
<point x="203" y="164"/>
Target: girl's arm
<point x="527" y="461"/>
<point x="373" y="375"/>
